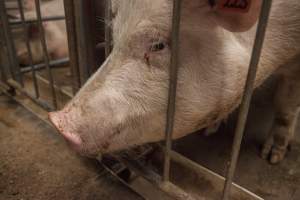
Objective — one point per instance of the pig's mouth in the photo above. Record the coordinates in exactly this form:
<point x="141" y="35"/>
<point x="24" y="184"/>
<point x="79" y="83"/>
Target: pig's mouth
<point x="74" y="140"/>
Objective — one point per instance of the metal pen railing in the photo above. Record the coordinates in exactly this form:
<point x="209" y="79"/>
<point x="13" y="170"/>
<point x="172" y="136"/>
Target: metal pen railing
<point x="15" y="78"/>
<point x="79" y="61"/>
<point x="169" y="154"/>
<point x="45" y="51"/>
<point x="249" y="87"/>
<point x="173" y="73"/>
<point x="36" y="89"/>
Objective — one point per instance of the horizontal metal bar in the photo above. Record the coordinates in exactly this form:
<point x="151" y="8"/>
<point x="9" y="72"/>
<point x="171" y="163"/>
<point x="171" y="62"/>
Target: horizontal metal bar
<point x="12" y="8"/>
<point x="15" y="23"/>
<point x="40" y="102"/>
<point x="56" y="88"/>
<point x="54" y="63"/>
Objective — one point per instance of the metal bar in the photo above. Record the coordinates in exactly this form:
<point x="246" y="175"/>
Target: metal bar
<point x="57" y="88"/>
<point x="15" y="23"/>
<point x="81" y="44"/>
<point x="72" y="44"/>
<point x="155" y="179"/>
<point x="216" y="180"/>
<point x="107" y="27"/>
<point x="52" y="63"/>
<point x="120" y="179"/>
<point x="36" y="89"/>
<point x="3" y="77"/>
<point x="249" y="87"/>
<point x="9" y="44"/>
<point x="173" y="72"/>
<point x="3" y="59"/>
<point x="85" y="47"/>
<point x="45" y="51"/>
<point x="11" y="8"/>
<point x="42" y="103"/>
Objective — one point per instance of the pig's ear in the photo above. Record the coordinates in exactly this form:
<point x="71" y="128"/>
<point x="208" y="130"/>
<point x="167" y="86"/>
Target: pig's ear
<point x="236" y="15"/>
<point x="34" y="30"/>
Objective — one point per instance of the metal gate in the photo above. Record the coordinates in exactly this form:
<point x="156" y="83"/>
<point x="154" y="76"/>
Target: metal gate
<point x="82" y="17"/>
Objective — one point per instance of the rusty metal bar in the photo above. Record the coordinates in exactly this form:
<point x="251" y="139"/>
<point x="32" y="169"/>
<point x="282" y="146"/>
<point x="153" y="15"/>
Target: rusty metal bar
<point x="107" y="27"/>
<point x="249" y="87"/>
<point x="45" y="51"/>
<point x="173" y="73"/>
<point x="10" y="44"/>
<point x="36" y="88"/>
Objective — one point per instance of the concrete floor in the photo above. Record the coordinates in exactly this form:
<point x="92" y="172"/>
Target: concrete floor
<point x="35" y="164"/>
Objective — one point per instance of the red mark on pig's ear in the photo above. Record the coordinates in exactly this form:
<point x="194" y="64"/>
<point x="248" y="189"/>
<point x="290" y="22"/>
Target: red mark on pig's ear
<point x="234" y="6"/>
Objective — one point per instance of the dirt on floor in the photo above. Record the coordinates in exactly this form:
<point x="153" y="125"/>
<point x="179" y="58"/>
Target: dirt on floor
<point x="36" y="165"/>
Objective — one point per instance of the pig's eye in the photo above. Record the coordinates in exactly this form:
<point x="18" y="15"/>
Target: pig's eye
<point x="158" y="46"/>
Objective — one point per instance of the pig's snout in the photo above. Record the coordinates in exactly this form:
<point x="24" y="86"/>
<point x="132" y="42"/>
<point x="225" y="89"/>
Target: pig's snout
<point x="59" y="121"/>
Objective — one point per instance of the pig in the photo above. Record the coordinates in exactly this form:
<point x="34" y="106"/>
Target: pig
<point x="124" y="103"/>
<point x="55" y="34"/>
<point x="30" y="4"/>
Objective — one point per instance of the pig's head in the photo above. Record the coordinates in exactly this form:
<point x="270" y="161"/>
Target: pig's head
<point x="56" y="41"/>
<point x="124" y="103"/>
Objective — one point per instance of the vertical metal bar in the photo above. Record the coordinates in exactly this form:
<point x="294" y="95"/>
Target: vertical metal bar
<point x="107" y="27"/>
<point x="72" y="43"/>
<point x="85" y="38"/>
<point x="2" y="70"/>
<point x="24" y="26"/>
<point x="2" y="59"/>
<point x="249" y="87"/>
<point x="173" y="72"/>
<point x="45" y="51"/>
<point x="10" y="44"/>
